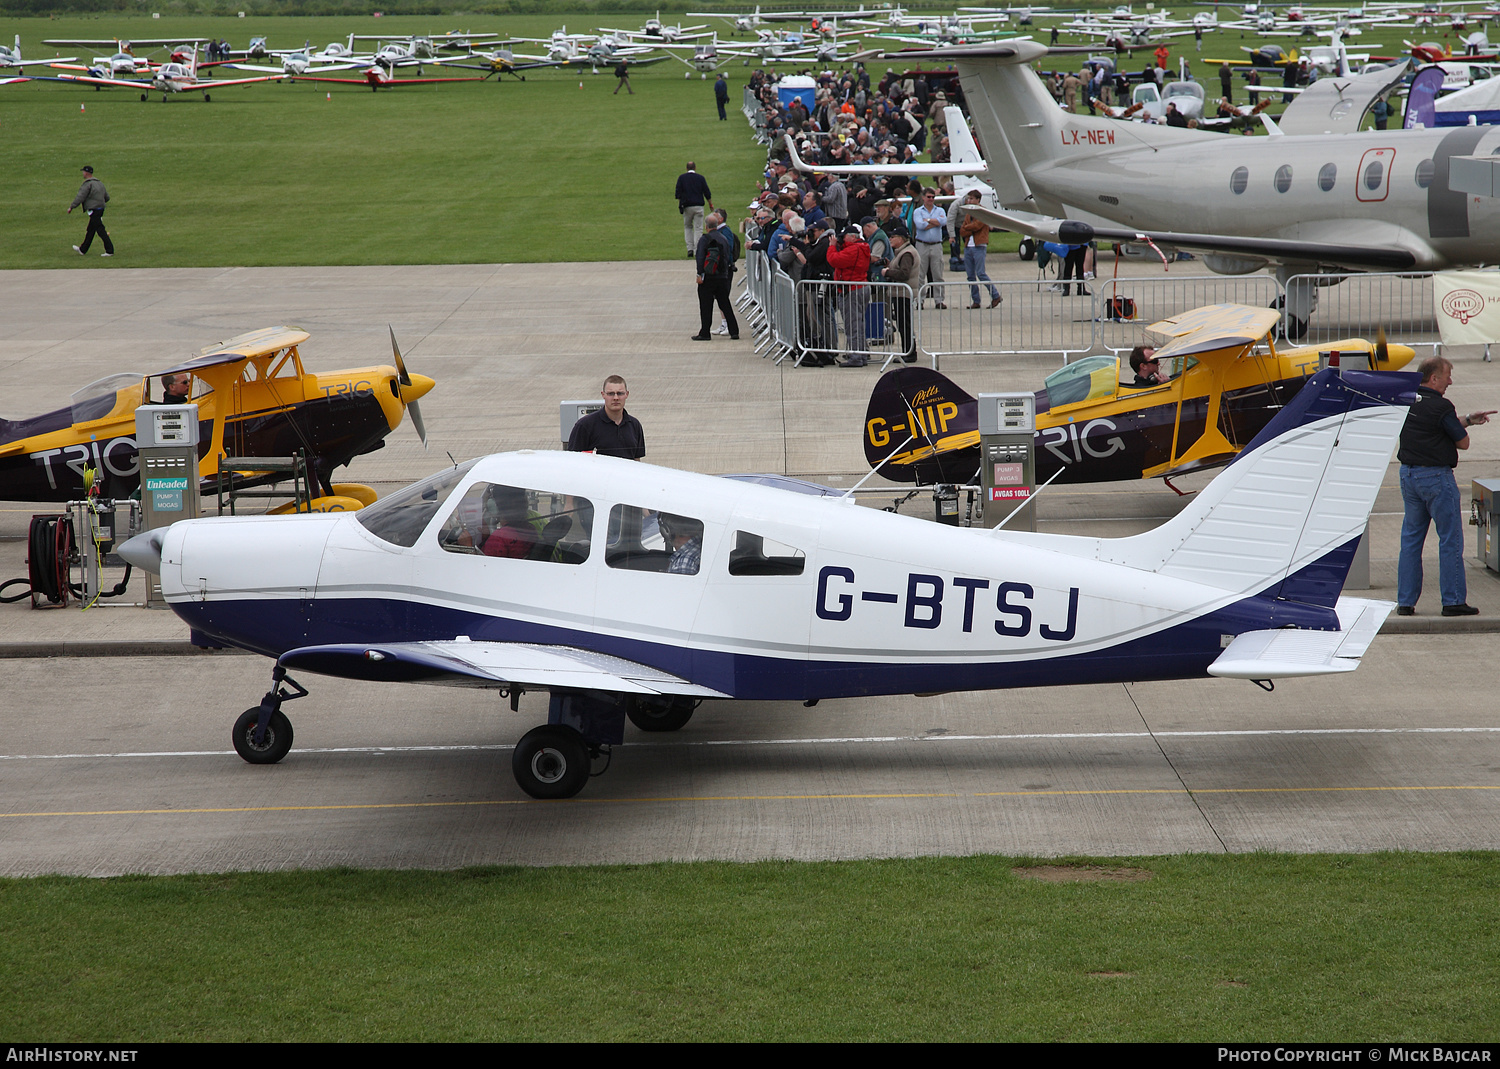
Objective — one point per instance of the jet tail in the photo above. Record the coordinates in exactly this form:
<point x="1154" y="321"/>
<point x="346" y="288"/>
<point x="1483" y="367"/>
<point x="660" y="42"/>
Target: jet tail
<point x="1022" y="127"/>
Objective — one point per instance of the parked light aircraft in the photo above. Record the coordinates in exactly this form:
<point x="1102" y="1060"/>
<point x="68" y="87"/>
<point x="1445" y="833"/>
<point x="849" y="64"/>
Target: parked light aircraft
<point x="713" y="588"/>
<point x="745" y="23"/>
<point x="500" y="61"/>
<point x="10" y="58"/>
<point x="654" y="31"/>
<point x="1228" y="379"/>
<point x="167" y="79"/>
<point x="1372" y="200"/>
<point x="294" y="63"/>
<point x="378" y="76"/>
<point x="254" y="397"/>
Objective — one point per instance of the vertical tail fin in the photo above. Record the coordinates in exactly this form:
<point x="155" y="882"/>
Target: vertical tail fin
<point x="1282" y="517"/>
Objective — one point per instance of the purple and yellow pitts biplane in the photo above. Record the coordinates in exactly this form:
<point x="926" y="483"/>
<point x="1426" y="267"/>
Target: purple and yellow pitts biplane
<point x="255" y="399"/>
<point x="1228" y="378"/>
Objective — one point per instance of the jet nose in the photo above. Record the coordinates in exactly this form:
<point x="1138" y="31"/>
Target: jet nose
<point x="144" y="550"/>
<point x="418" y="387"/>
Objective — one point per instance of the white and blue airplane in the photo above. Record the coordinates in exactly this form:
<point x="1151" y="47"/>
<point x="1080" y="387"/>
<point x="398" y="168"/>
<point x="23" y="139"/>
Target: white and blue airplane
<point x="627" y="590"/>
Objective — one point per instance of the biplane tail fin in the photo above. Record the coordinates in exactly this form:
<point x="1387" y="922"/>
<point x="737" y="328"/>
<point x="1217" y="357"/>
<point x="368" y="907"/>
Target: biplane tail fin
<point x="921" y="428"/>
<point x="1284" y="518"/>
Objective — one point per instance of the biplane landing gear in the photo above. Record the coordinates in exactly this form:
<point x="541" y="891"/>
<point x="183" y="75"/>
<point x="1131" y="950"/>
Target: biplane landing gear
<point x="263" y="735"/>
<point x="551" y="761"/>
<point x="659" y="714"/>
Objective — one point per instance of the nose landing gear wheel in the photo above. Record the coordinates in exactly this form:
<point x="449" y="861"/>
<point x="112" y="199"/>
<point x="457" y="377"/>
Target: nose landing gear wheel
<point x="275" y="744"/>
<point x="551" y="761"/>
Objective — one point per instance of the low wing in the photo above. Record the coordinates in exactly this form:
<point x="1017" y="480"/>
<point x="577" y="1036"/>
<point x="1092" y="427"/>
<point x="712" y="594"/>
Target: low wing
<point x="1288" y="652"/>
<point x="219" y="83"/>
<point x="106" y="83"/>
<point x="491" y="664"/>
<point x="12" y="81"/>
<point x="1074" y="232"/>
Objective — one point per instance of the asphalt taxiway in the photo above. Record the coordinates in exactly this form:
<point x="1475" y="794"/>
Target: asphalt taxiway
<point x="114" y="752"/>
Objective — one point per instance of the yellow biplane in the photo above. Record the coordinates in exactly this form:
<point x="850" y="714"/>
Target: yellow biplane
<point x="1227" y="379"/>
<point x="255" y="399"/>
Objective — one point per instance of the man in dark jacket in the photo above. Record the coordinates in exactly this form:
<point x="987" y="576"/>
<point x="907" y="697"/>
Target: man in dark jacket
<point x="93" y="197"/>
<point x="715" y="258"/>
<point x="721" y="95"/>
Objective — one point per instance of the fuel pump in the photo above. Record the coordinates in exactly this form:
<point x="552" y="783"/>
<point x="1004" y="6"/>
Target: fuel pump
<point x="166" y="438"/>
<point x="1007" y="451"/>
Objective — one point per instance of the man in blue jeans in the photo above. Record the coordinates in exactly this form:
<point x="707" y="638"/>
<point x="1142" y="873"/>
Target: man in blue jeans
<point x="1433" y="434"/>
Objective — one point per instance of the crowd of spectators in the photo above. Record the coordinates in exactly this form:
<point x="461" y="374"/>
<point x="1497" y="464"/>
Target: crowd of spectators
<point x="854" y="229"/>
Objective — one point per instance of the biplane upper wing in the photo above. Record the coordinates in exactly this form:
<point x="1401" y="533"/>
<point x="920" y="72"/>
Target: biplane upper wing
<point x="1214" y="327"/>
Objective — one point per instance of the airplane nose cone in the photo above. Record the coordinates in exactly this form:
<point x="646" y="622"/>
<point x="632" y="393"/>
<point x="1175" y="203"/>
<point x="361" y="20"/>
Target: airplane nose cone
<point x="419" y="386"/>
<point x="144" y="550"/>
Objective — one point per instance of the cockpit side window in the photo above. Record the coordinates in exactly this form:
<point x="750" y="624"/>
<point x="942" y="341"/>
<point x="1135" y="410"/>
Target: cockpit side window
<point x="400" y="518"/>
<point x="497" y="520"/>
<point x="755" y="554"/>
<point x="648" y="540"/>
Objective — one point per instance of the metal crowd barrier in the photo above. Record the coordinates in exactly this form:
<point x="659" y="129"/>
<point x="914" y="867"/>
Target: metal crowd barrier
<point x="1031" y="318"/>
<point x="853" y="319"/>
<point x="1124" y="305"/>
<point x="784" y="317"/>
<point x="1354" y="305"/>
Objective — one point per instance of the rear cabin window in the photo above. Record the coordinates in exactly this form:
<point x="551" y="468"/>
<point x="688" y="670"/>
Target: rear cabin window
<point x="647" y="540"/>
<point x="498" y="520"/>
<point x="400" y="518"/>
<point x="755" y="554"/>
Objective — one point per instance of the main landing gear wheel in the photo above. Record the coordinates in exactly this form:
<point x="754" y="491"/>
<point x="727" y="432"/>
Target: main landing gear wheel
<point x="275" y="744"/>
<point x="551" y="761"/>
<point x="659" y="714"/>
<point x="206" y="98"/>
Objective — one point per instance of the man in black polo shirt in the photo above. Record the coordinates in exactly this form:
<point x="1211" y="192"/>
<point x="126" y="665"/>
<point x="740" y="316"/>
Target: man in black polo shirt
<point x="611" y="431"/>
<point x="1433" y="434"/>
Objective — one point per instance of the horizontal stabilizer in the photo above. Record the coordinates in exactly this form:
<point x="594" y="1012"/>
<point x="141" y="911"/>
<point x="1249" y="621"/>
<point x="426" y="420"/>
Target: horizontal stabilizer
<point x="491" y="664"/>
<point x="1289" y="652"/>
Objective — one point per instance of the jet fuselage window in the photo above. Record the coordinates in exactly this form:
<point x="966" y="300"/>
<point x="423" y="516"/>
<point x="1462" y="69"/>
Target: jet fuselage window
<point x="1373" y="175"/>
<point x="1327" y="177"/>
<point x="1239" y="180"/>
<point x="495" y="520"/>
<point x="1283" y="178"/>
<point x="1426" y="171"/>
<point x="755" y="554"/>
<point x="648" y="540"/>
<point x="401" y="517"/>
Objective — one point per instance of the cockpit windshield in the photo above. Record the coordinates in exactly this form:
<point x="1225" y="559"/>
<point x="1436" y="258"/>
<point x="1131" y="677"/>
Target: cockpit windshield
<point x="97" y="399"/>
<point x="400" y="518"/>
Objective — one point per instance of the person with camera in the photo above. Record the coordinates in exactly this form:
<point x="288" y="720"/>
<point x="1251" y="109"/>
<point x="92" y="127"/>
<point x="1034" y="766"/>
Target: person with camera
<point x="904" y="267"/>
<point x="850" y="259"/>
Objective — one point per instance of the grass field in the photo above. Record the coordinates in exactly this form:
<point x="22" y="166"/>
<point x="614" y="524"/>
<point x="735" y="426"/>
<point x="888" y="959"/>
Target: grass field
<point x="1330" y="948"/>
<point x="279" y="174"/>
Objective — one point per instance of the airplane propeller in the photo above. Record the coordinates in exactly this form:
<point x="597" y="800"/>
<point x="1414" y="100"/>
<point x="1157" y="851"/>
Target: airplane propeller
<point x="411" y="405"/>
<point x="1382" y="350"/>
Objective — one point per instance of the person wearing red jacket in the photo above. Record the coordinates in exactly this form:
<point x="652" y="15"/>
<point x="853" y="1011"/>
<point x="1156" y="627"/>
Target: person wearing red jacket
<point x="850" y="258"/>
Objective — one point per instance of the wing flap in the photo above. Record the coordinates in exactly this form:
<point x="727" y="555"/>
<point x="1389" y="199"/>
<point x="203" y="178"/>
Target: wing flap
<point x="491" y="664"/>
